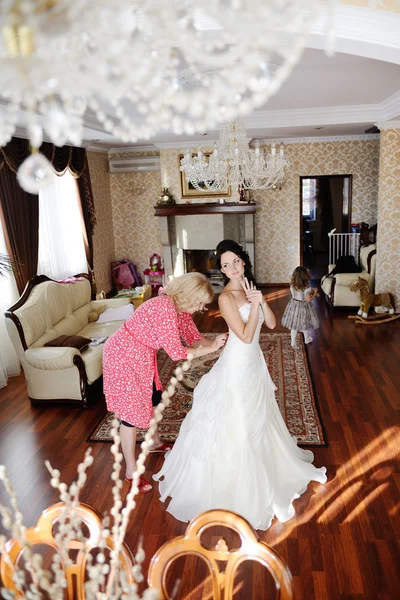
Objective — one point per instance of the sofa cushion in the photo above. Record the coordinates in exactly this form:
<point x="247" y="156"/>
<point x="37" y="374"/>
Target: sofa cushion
<point x="70" y="341"/>
<point x="80" y="293"/>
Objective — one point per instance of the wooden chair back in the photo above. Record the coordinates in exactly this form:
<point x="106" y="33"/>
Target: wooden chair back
<point x="75" y="572"/>
<point x="222" y="581"/>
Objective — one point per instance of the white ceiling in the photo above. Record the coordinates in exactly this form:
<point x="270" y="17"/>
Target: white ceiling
<point x="343" y="95"/>
<point x="320" y="81"/>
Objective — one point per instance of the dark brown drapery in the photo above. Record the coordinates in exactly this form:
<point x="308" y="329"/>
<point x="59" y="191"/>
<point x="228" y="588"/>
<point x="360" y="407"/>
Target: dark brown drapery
<point x="21" y="210"/>
<point x="20" y="213"/>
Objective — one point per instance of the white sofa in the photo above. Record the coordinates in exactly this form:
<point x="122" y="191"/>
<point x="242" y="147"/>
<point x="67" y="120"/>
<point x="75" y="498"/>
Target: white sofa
<point x="46" y="310"/>
<point x="337" y="287"/>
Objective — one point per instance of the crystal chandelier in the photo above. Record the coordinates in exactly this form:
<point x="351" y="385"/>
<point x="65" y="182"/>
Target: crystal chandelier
<point x="234" y="164"/>
<point x="139" y="68"/>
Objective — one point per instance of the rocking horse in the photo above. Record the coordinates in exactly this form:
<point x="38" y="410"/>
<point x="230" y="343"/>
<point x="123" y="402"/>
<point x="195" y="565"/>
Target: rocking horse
<point x="376" y="300"/>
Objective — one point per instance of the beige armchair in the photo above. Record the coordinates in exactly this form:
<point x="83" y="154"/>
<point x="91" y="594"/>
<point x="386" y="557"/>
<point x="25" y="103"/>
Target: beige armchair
<point x="337" y="287"/>
<point x="46" y="310"/>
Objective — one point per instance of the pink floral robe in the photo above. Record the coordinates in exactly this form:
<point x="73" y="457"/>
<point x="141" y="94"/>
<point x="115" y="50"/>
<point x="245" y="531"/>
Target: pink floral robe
<point x="130" y="357"/>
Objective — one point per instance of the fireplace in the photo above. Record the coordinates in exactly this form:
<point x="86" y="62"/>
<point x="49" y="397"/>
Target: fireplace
<point x="202" y="261"/>
<point x="189" y="234"/>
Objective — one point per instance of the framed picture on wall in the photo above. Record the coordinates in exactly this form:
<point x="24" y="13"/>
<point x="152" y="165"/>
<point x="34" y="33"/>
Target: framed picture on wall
<point x="189" y="191"/>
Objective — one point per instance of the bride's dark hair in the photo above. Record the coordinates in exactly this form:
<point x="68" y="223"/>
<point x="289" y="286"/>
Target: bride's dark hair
<point x="231" y="246"/>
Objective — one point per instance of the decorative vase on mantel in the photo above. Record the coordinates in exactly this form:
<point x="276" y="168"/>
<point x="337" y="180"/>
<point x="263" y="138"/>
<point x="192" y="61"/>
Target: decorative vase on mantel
<point x="166" y="198"/>
<point x="243" y="196"/>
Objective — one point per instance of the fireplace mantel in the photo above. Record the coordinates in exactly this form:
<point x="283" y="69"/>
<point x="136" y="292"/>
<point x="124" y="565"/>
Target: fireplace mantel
<point x="211" y="222"/>
<point x="206" y="208"/>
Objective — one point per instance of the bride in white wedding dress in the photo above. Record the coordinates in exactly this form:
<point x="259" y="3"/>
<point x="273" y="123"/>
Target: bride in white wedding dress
<point x="234" y="450"/>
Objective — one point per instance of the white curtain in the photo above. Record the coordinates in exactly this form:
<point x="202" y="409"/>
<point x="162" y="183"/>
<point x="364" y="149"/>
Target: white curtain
<point x="9" y="363"/>
<point x="61" y="246"/>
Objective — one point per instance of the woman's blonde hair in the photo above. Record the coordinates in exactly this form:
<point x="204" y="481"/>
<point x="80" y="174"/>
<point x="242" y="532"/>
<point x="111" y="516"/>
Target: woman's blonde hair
<point x="189" y="291"/>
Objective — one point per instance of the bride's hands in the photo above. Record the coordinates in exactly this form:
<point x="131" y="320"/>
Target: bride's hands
<point x="253" y="295"/>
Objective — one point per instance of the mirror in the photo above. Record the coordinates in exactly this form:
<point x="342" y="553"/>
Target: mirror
<point x="155" y="262"/>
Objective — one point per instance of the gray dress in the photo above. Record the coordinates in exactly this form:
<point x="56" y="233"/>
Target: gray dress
<point x="300" y="314"/>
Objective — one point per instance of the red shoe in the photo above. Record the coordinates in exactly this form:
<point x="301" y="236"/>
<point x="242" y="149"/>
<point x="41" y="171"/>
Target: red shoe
<point x="163" y="447"/>
<point x="144" y="486"/>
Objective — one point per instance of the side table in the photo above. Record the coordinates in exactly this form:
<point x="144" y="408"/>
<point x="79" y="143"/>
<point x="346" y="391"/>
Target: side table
<point x="136" y="298"/>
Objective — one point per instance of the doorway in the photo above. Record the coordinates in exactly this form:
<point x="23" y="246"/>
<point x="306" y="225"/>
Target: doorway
<point x="325" y="204"/>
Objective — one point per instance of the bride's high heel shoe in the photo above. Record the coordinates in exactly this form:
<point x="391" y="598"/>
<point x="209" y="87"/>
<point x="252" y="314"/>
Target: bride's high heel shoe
<point x="163" y="447"/>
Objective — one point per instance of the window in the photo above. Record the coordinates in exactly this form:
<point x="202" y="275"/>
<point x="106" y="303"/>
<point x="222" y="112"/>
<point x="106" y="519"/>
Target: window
<point x="310" y="199"/>
<point x="61" y="245"/>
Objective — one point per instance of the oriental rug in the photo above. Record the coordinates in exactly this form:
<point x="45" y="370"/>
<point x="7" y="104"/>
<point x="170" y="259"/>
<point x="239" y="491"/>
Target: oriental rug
<point x="289" y="371"/>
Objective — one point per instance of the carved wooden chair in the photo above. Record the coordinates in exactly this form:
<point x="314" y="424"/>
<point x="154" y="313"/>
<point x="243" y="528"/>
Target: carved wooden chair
<point x="222" y="581"/>
<point x="43" y="534"/>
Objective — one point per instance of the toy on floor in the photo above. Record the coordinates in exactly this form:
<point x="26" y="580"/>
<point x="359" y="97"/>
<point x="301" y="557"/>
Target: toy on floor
<point x="378" y="301"/>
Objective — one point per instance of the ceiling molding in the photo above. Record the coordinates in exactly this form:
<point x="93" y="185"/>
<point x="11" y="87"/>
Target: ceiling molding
<point x="20" y="132"/>
<point x="177" y="144"/>
<point x="297" y="140"/>
<point x="391" y="106"/>
<point x="360" y="31"/>
<point x="383" y="126"/>
<point x="327" y="115"/>
<point x="325" y="138"/>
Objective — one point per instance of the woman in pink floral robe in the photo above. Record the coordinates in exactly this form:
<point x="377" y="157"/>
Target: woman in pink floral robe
<point x="130" y="356"/>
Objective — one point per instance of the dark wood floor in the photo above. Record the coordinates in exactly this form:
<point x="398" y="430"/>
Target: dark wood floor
<point x="343" y="542"/>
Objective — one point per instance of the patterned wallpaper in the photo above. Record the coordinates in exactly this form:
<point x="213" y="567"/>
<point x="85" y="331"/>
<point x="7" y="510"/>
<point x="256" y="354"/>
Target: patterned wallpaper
<point x="103" y="237"/>
<point x="387" y="5"/>
<point x="125" y="206"/>
<point x="277" y="223"/>
<point x="388" y="254"/>
<point x="133" y="197"/>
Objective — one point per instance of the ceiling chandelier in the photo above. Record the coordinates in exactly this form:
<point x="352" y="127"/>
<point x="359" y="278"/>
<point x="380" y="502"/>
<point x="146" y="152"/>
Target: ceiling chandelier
<point x="234" y="164"/>
<point x="138" y="68"/>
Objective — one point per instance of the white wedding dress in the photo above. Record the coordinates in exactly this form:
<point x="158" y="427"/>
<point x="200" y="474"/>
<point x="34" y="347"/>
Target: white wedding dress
<point x="234" y="450"/>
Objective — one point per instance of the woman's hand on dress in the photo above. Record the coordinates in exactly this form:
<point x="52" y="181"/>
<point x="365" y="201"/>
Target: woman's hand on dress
<point x="220" y="340"/>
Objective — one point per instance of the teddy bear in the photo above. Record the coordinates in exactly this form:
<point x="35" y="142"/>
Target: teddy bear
<point x="96" y="312"/>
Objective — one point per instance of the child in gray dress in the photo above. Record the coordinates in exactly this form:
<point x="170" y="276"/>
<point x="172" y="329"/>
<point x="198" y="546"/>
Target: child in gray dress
<point x="300" y="314"/>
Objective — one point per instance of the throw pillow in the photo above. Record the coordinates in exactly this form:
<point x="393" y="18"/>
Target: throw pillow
<point x="70" y="341"/>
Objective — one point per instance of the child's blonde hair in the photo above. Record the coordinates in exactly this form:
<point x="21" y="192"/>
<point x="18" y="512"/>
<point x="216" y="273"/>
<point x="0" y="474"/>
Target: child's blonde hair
<point x="301" y="278"/>
<point x="190" y="290"/>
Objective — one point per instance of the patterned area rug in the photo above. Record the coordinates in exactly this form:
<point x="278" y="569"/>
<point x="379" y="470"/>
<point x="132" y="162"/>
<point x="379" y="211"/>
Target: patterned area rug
<point x="288" y="369"/>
